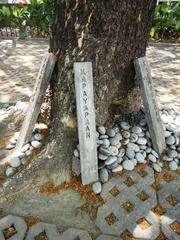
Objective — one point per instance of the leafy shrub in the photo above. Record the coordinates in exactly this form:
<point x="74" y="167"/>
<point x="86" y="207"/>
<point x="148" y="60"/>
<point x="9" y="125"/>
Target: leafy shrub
<point x="166" y="23"/>
<point x="37" y="16"/>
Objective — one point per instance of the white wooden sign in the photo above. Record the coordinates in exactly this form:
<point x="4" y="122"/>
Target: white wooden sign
<point x="36" y="99"/>
<point x="153" y="119"/>
<point x="86" y="121"/>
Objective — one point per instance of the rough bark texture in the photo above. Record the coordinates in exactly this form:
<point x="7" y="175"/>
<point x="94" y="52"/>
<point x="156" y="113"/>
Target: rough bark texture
<point x="110" y="34"/>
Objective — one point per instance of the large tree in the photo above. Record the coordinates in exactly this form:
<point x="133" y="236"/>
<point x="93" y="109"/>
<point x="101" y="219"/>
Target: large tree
<point x="110" y="34"/>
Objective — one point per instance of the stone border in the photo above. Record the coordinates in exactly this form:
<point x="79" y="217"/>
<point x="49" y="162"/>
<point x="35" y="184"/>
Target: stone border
<point x="41" y="227"/>
<point x="17" y="222"/>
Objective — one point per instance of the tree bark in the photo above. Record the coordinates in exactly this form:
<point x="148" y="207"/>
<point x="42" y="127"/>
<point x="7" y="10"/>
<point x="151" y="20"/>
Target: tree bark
<point x="110" y="34"/>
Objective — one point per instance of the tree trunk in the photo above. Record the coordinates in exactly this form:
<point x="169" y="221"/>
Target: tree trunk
<point x="110" y="34"/>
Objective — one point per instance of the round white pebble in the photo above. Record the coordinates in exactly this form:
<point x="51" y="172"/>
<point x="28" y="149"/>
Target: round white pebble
<point x="125" y="125"/>
<point x="136" y="130"/>
<point x="128" y="165"/>
<point x="154" y="153"/>
<point x="35" y="144"/>
<point x="38" y="136"/>
<point x="25" y="148"/>
<point x="96" y="187"/>
<point x="104" y="175"/>
<point x="15" y="162"/>
<point x="117" y="169"/>
<point x="139" y="157"/>
<point x="156" y="167"/>
<point x="9" y="171"/>
<point x="173" y="165"/>
<point x="152" y="158"/>
<point x="141" y="141"/>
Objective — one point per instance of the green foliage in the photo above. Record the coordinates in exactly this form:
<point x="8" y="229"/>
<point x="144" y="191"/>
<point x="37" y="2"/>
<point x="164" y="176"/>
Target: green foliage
<point x="166" y="23"/>
<point x="37" y="15"/>
<point x="5" y="15"/>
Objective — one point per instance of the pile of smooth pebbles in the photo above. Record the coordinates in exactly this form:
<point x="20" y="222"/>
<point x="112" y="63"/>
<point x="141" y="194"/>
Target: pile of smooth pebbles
<point x="15" y="159"/>
<point x="18" y="158"/>
<point x="125" y="145"/>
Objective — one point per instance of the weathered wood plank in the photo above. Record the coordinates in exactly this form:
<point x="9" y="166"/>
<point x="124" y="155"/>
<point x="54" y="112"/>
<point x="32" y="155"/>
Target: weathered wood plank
<point x="36" y="99"/>
<point x="86" y="121"/>
<point x="153" y="119"/>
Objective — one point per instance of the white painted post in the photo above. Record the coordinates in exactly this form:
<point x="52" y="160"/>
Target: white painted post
<point x="36" y="99"/>
<point x="153" y="119"/>
<point x="86" y="121"/>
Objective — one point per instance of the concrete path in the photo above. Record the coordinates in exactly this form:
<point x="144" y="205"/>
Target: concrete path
<point x="19" y="65"/>
<point x="136" y="205"/>
<point x="165" y="61"/>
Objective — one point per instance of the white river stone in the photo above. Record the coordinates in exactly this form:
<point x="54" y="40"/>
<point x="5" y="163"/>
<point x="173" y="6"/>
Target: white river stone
<point x="9" y="171"/>
<point x="38" y="136"/>
<point x="139" y="157"/>
<point x="172" y="154"/>
<point x="152" y="158"/>
<point x="156" y="167"/>
<point x="111" y="160"/>
<point x="117" y="169"/>
<point x="155" y="153"/>
<point x="128" y="165"/>
<point x="136" y="130"/>
<point x="97" y="187"/>
<point x="170" y="140"/>
<point x="35" y="144"/>
<point x="173" y="165"/>
<point x="15" y="162"/>
<point x="141" y="141"/>
<point x="133" y="137"/>
<point x="110" y="132"/>
<point x="166" y="158"/>
<point x="134" y="146"/>
<point x="125" y="125"/>
<point x="104" y="175"/>
<point x="25" y="148"/>
<point x="101" y="130"/>
<point x="126" y="134"/>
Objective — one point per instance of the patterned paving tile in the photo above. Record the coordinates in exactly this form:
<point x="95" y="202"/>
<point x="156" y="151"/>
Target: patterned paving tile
<point x="19" y="65"/>
<point x="49" y="229"/>
<point x="169" y="200"/>
<point x="17" y="222"/>
<point x="129" y="201"/>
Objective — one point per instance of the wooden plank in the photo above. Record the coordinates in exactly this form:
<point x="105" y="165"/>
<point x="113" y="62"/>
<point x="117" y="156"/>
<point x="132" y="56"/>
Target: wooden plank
<point x="153" y="119"/>
<point x="36" y="99"/>
<point x="86" y="121"/>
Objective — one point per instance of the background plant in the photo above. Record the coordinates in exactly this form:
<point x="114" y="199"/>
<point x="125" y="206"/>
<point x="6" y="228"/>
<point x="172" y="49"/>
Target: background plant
<point x="37" y="16"/>
<point x="166" y="23"/>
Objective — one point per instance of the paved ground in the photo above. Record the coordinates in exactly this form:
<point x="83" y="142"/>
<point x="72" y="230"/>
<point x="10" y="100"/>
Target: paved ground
<point x="20" y="61"/>
<point x="138" y="204"/>
<point x="19" y="65"/>
<point x="165" y="61"/>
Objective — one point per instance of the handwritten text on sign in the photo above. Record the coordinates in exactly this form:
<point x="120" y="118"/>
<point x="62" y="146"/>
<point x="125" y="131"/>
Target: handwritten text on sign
<point x="86" y="121"/>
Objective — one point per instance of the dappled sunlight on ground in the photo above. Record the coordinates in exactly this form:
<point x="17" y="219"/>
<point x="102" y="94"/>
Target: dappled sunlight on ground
<point x="20" y="62"/>
<point x="165" y="61"/>
<point x="147" y="227"/>
<point x="19" y="65"/>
